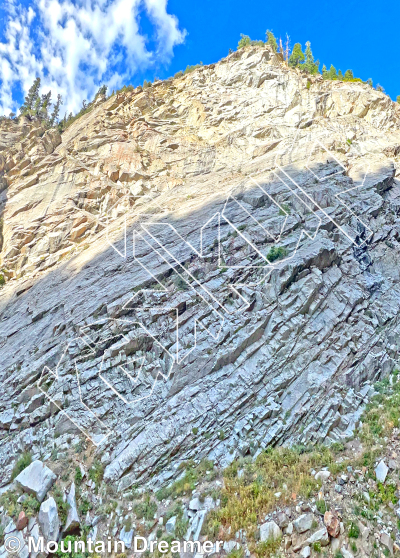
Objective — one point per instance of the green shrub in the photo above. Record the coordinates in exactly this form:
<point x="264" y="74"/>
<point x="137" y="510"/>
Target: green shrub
<point x="180" y="283"/>
<point x="354" y="531"/>
<point x="30" y="505"/>
<point x="163" y="494"/>
<point x="84" y="506"/>
<point x="145" y="509"/>
<point x="276" y="253"/>
<point x="284" y="209"/>
<point x="9" y="501"/>
<point x="321" y="506"/>
<point x="21" y="464"/>
<point x="96" y="472"/>
<point x="73" y="554"/>
<point x="266" y="549"/>
<point x="62" y="506"/>
<point x="78" y="476"/>
<point x="244" y="41"/>
<point x="128" y="524"/>
<point x="181" y="527"/>
<point x="271" y="40"/>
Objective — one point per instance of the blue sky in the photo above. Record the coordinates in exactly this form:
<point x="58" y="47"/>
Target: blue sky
<point x="75" y="45"/>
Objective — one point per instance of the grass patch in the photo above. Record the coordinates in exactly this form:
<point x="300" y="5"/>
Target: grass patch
<point x="62" y="506"/>
<point x="184" y="486"/>
<point x="382" y="413"/>
<point x="284" y="209"/>
<point x="96" y="472"/>
<point x="354" y="531"/>
<point x="145" y="509"/>
<point x="246" y="500"/>
<point x="321" y="506"/>
<point x="266" y="549"/>
<point x="21" y="464"/>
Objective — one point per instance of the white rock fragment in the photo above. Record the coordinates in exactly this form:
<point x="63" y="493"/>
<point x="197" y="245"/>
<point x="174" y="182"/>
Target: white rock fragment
<point x="48" y="519"/>
<point x="381" y="471"/>
<point x="269" y="531"/>
<point x="36" y="479"/>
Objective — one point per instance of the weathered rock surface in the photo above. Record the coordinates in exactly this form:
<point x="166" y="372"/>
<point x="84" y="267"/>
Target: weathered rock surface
<point x="233" y="159"/>
<point x="73" y="521"/>
<point x="269" y="531"/>
<point x="36" y="479"/>
<point x="303" y="523"/>
<point x="48" y="519"/>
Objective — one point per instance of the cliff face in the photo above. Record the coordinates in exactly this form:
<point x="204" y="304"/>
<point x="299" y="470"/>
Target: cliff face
<point x="202" y="268"/>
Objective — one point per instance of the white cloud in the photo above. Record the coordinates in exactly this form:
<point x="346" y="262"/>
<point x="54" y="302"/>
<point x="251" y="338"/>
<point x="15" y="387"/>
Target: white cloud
<point x="74" y="46"/>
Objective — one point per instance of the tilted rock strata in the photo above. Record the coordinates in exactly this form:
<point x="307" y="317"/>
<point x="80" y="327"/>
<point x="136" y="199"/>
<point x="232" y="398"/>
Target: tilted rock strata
<point x="290" y="153"/>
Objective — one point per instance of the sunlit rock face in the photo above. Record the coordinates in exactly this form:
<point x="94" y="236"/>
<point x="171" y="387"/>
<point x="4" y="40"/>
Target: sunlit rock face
<point x="199" y="269"/>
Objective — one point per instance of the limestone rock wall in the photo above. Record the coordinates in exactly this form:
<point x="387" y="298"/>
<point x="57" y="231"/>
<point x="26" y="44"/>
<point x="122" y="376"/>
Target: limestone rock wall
<point x="201" y="268"/>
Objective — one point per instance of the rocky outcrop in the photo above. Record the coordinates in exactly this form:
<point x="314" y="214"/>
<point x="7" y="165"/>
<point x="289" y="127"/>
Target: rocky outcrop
<point x="199" y="269"/>
<point x="73" y="520"/>
<point x="36" y="479"/>
<point x="48" y="520"/>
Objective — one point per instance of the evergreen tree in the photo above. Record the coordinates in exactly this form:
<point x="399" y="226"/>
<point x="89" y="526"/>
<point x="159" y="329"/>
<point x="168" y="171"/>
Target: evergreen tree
<point x="325" y="73"/>
<point x="340" y="75"/>
<point x="296" y="57"/>
<point x="271" y="40"/>
<point x="310" y="65"/>
<point x="348" y="75"/>
<point x="332" y="72"/>
<point x="244" y="41"/>
<point x="37" y="106"/>
<point x="398" y="99"/>
<point x="102" y="91"/>
<point x="370" y="82"/>
<point x="379" y="88"/>
<point x="31" y="98"/>
<point x="56" y="111"/>
<point x="45" y="105"/>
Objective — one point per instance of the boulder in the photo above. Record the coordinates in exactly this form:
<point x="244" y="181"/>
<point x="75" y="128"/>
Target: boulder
<point x="387" y="541"/>
<point x="48" y="519"/>
<point x="195" y="504"/>
<point x="22" y="521"/>
<point x="282" y="520"/>
<point x="319" y="536"/>
<point x="73" y="520"/>
<point x="229" y="546"/>
<point x="332" y="524"/>
<point x="170" y="525"/>
<point x="304" y="522"/>
<point x="6" y="418"/>
<point x="346" y="553"/>
<point x="322" y="476"/>
<point x="269" y="531"/>
<point x="36" y="479"/>
<point x="126" y="537"/>
<point x="381" y="471"/>
<point x="306" y="552"/>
